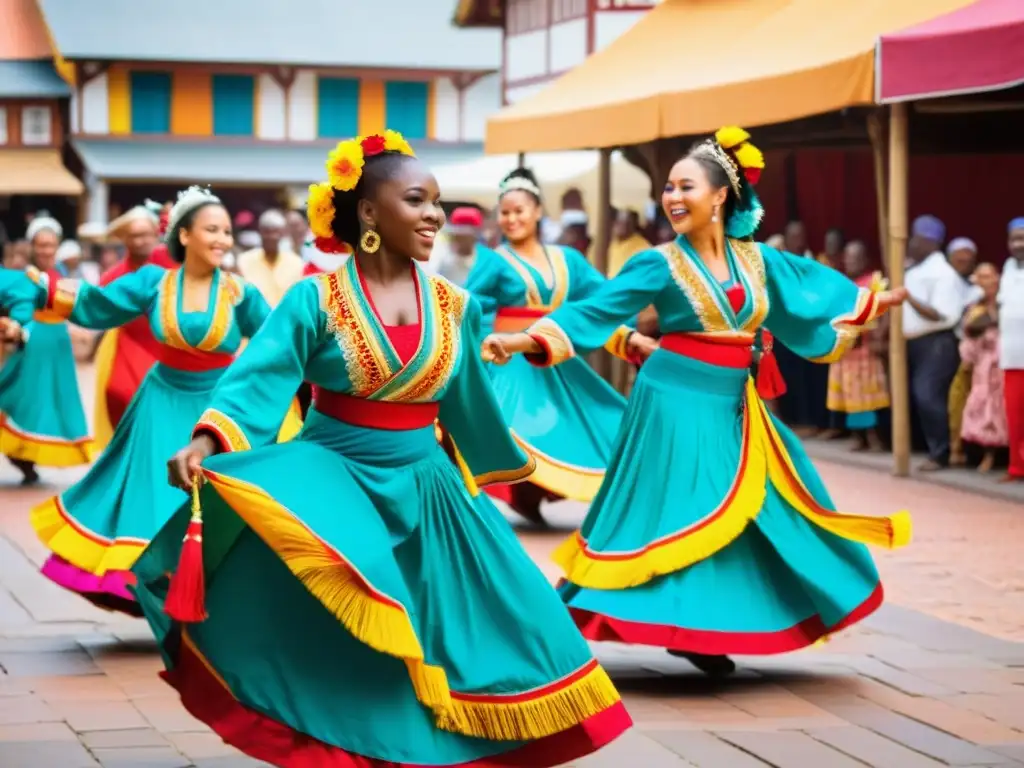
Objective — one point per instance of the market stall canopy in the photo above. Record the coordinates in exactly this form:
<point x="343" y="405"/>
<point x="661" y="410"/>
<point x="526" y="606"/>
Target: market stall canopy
<point x="971" y="50"/>
<point x="36" y="172"/>
<point x="690" y="66"/>
<point x="476" y="181"/>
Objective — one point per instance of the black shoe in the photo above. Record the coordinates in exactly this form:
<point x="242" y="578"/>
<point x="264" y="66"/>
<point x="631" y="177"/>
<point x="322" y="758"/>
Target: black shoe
<point x="28" y="471"/>
<point x="715" y="667"/>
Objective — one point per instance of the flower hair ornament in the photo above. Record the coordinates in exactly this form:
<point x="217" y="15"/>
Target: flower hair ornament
<point x="188" y="200"/>
<point x="344" y="170"/>
<point x="743" y="164"/>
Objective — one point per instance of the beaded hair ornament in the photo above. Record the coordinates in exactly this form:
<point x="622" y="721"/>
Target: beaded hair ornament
<point x="188" y="200"/>
<point x="518" y="182"/>
<point x="344" y="169"/>
<point x="742" y="162"/>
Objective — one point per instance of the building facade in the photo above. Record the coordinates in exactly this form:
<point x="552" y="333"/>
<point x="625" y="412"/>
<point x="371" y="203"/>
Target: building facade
<point x="543" y="39"/>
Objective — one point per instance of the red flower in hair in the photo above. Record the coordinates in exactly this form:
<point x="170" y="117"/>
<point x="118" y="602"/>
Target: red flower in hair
<point x="330" y="245"/>
<point x="753" y="175"/>
<point x="372" y="145"/>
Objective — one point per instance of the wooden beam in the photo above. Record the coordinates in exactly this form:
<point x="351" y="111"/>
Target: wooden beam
<point x="898" y="213"/>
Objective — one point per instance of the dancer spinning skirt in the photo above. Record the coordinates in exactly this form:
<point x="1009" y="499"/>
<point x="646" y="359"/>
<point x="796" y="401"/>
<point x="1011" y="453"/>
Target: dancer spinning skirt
<point x="361" y="607"/>
<point x="713" y="534"/>
<point x="200" y="315"/>
<point x="42" y="421"/>
<point x="566" y="418"/>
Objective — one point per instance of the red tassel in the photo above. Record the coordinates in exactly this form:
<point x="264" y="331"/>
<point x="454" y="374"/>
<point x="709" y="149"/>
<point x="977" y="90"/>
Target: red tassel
<point x="186" y="598"/>
<point x="770" y="383"/>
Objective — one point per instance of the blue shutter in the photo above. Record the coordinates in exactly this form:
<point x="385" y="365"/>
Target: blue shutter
<point x="151" y="102"/>
<point x="405" y="108"/>
<point x="337" y="107"/>
<point x="234" y="98"/>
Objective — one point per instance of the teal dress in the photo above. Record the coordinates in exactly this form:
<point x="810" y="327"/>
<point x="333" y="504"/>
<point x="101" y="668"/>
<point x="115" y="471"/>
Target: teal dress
<point x="363" y="607"/>
<point x="713" y="533"/>
<point x="567" y="417"/>
<point x="41" y="416"/>
<point x="19" y="296"/>
<point x="98" y="527"/>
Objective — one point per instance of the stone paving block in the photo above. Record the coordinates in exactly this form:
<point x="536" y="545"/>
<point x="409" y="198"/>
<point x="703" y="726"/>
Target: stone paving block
<point x="634" y="749"/>
<point x="168" y="716"/>
<point x="46" y="664"/>
<point x="201" y="745"/>
<point x="769" y="700"/>
<point x="1007" y="709"/>
<point x="970" y="680"/>
<point x="899" y="679"/>
<point x="789" y="750"/>
<point x="133" y="737"/>
<point x="57" y="731"/>
<point x="15" y="710"/>
<point x="705" y="750"/>
<point x="45" y="754"/>
<point x="141" y="757"/>
<point x="872" y="749"/>
<point x="12" y="613"/>
<point x="240" y="761"/>
<point x="94" y="688"/>
<point x="111" y="716"/>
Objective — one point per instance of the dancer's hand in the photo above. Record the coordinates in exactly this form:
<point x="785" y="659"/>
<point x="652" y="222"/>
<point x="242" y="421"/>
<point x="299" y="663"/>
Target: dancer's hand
<point x="493" y="350"/>
<point x="10" y="331"/>
<point x="888" y="299"/>
<point x="640" y="347"/>
<point x="186" y="465"/>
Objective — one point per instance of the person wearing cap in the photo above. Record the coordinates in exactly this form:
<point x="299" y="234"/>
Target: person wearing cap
<point x="456" y="256"/>
<point x="125" y="355"/>
<point x="1011" y="347"/>
<point x="70" y="263"/>
<point x="272" y="269"/>
<point x="937" y="296"/>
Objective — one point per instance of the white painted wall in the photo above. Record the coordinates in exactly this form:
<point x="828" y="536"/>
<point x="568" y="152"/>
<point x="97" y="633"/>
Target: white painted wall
<point x="95" y="108"/>
<point x="482" y="100"/>
<point x="446" y="110"/>
<point x="526" y="55"/>
<point x="518" y="94"/>
<point x="302" y="107"/>
<point x="609" y="25"/>
<point x="270" y="109"/>
<point x="568" y="44"/>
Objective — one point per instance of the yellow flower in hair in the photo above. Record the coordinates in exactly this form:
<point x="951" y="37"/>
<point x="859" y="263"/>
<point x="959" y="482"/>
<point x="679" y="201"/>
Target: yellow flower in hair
<point x="345" y="165"/>
<point x="748" y="156"/>
<point x="395" y="142"/>
<point x="731" y="136"/>
<point x="320" y="209"/>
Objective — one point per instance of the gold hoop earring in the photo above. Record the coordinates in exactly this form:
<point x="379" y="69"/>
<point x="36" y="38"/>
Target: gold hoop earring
<point x="370" y="241"/>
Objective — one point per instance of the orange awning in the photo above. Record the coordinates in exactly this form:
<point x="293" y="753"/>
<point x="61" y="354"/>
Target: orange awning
<point x="690" y="66"/>
<point x="36" y="172"/>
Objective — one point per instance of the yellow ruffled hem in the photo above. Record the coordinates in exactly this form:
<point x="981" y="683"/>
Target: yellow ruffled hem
<point x="764" y="459"/>
<point x="84" y="549"/>
<point x="383" y="624"/>
<point x="44" y="452"/>
<point x="565" y="480"/>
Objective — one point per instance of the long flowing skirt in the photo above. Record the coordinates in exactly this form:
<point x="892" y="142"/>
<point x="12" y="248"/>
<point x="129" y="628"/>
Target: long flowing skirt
<point x="122" y="362"/>
<point x="566" y="417"/>
<point x="365" y="609"/>
<point x="41" y="415"/>
<point x="713" y="532"/>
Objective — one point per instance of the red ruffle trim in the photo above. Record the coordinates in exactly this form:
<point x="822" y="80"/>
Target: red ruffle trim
<point x="600" y="628"/>
<point x="264" y="738"/>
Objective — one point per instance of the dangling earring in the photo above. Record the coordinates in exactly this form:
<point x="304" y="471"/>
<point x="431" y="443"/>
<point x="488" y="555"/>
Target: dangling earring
<point x="370" y="241"/>
<point x="714" y="215"/>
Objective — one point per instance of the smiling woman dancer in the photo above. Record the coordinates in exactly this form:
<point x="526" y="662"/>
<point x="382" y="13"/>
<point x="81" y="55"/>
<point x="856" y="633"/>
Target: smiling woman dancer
<point x="364" y="608"/>
<point x="567" y="417"/>
<point x="199" y="316"/>
<point x="713" y="533"/>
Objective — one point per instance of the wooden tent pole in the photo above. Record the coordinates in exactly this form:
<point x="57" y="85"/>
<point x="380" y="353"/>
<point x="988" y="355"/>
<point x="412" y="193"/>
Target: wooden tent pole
<point x="898" y="379"/>
<point x="603" y="234"/>
<point x="876" y="132"/>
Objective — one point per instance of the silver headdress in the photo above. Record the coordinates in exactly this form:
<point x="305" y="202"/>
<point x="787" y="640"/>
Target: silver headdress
<point x="42" y="222"/>
<point x="188" y="200"/>
<point x="713" y="151"/>
<point x="518" y="182"/>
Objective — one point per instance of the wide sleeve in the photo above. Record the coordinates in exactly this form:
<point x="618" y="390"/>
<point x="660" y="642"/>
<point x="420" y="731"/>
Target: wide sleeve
<point x="484" y="284"/>
<point x="253" y="396"/>
<point x="101" y="308"/>
<point x="469" y="413"/>
<point x="252" y="311"/>
<point x="585" y="282"/>
<point x="580" y="327"/>
<point x="815" y="310"/>
<point x="21" y="298"/>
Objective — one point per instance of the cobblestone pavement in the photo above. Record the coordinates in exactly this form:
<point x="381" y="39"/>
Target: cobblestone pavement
<point x="934" y="678"/>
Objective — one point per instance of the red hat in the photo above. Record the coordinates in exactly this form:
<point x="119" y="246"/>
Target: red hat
<point x="466" y="218"/>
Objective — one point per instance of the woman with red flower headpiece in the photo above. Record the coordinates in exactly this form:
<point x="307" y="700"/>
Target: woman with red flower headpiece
<point x="712" y="533"/>
<point x="349" y="598"/>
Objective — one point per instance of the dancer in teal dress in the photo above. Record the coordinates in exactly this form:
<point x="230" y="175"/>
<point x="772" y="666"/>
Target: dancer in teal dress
<point x="567" y="417"/>
<point x="344" y="599"/>
<point x="19" y="298"/>
<point x="42" y="421"/>
<point x="712" y="533"/>
<point x="199" y="315"/>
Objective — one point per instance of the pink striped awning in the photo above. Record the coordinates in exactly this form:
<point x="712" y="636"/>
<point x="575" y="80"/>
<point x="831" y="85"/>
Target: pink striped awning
<point x="977" y="48"/>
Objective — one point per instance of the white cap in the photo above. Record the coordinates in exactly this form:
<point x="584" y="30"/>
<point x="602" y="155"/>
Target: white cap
<point x="68" y="250"/>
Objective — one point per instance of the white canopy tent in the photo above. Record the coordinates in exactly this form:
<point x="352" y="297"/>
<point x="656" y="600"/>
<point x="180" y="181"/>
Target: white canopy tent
<point x="476" y="181"/>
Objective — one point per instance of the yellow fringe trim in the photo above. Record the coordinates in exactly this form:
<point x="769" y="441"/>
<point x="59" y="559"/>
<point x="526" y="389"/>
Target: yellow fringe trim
<point x="586" y="568"/>
<point x="766" y="461"/>
<point x="889" y="532"/>
<point x="370" y="616"/>
<point x="566" y="480"/>
<point x="292" y="424"/>
<point x="82" y="548"/>
<point x="102" y="428"/>
<point x="46" y="453"/>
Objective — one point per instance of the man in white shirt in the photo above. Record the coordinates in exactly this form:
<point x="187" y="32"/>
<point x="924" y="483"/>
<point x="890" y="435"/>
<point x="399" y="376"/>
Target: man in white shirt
<point x="938" y="296"/>
<point x="1011" y="347"/>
